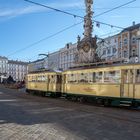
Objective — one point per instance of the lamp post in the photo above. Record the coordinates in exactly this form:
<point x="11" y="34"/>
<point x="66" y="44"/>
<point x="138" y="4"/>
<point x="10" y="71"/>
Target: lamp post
<point x="43" y="54"/>
<point x="45" y="61"/>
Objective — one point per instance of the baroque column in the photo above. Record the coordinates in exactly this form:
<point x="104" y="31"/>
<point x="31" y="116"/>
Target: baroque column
<point x="87" y="46"/>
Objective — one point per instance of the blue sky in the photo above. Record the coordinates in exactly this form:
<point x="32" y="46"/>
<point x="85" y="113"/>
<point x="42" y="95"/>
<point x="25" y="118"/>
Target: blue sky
<point x="22" y="24"/>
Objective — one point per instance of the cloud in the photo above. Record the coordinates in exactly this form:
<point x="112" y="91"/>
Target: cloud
<point x="8" y="13"/>
<point x="14" y="12"/>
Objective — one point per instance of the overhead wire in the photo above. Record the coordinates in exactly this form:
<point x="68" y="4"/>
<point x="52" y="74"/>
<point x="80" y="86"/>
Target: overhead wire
<point x="46" y="38"/>
<point x="78" y="16"/>
<point x="101" y="8"/>
<point x="115" y="8"/>
<point x="55" y="9"/>
<point x="71" y="14"/>
<point x="105" y="8"/>
<point x="114" y="32"/>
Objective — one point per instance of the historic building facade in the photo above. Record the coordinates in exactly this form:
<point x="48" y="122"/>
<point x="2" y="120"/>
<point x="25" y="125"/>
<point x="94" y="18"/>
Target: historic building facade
<point x="52" y="61"/>
<point x="17" y="70"/>
<point x="67" y="56"/>
<point x="124" y="45"/>
<point x="36" y="65"/>
<point x="59" y="60"/>
<point x="128" y="46"/>
<point x="3" y="68"/>
<point x="108" y="48"/>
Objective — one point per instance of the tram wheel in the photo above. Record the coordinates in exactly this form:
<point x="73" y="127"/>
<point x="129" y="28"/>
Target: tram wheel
<point x="81" y="99"/>
<point x="135" y="104"/>
<point x="107" y="102"/>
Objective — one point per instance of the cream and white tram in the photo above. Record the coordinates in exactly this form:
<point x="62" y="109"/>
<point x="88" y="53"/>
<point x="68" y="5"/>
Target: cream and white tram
<point x="108" y="85"/>
<point x="44" y="83"/>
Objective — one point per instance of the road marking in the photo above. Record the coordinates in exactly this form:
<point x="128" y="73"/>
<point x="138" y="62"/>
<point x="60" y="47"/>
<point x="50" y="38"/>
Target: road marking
<point x="1" y="92"/>
<point x="4" y="100"/>
<point x="2" y="121"/>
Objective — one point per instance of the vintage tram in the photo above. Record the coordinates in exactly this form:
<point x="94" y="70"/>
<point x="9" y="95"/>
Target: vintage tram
<point x="104" y="84"/>
<point x="45" y="83"/>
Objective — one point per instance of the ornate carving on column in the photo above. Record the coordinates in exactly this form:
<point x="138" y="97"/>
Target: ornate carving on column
<point x="88" y="19"/>
<point x="87" y="46"/>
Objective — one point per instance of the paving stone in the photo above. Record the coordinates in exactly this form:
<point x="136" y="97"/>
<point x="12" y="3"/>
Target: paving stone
<point x="26" y="117"/>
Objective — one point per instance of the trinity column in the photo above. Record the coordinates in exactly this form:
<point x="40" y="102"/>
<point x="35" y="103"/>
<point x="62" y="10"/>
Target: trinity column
<point x="87" y="46"/>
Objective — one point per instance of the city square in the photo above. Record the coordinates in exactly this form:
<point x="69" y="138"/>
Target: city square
<point x="69" y="70"/>
<point x="31" y="117"/>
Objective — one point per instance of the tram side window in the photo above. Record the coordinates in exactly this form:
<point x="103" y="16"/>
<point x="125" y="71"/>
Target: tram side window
<point x="52" y="79"/>
<point x="128" y="76"/>
<point x="131" y="76"/>
<point x="138" y="76"/>
<point x="91" y="77"/>
<point x="66" y="78"/>
<point x="29" y="78"/>
<point x="59" y="78"/>
<point x="125" y="75"/>
<point x="83" y="78"/>
<point x="33" y="78"/>
<point x="38" y="78"/>
<point x="112" y="77"/>
<point x="72" y="78"/>
<point x="43" y="78"/>
<point x="97" y="77"/>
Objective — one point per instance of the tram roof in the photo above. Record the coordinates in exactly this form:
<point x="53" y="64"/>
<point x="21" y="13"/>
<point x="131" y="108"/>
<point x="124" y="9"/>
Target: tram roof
<point x="44" y="70"/>
<point x="101" y="65"/>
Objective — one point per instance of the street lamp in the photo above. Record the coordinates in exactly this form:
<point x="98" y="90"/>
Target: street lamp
<point x="43" y="54"/>
<point x="45" y="60"/>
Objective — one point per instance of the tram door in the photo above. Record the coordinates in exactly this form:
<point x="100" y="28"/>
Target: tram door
<point x="58" y="83"/>
<point x="64" y="83"/>
<point x="127" y="87"/>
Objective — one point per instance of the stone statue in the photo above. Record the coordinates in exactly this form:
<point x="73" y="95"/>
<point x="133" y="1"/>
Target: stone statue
<point x="86" y="47"/>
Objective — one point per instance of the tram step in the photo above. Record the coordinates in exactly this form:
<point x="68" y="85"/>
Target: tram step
<point x="125" y="103"/>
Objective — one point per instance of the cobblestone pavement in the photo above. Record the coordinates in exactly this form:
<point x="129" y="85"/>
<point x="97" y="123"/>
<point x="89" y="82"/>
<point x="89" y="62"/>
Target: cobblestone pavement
<point x="26" y="117"/>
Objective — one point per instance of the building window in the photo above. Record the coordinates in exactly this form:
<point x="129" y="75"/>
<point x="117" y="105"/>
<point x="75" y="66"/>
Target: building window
<point x="134" y="53"/>
<point x="125" y="54"/>
<point x="104" y="52"/>
<point x="114" y="50"/>
<point x="109" y="51"/>
<point x="133" y="40"/>
<point x="120" y="44"/>
<point x="108" y="41"/>
<point x="125" y="41"/>
<point x="67" y="46"/>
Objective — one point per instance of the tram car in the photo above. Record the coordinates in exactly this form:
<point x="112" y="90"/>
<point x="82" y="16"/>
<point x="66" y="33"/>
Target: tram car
<point x="45" y="83"/>
<point x="108" y="85"/>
